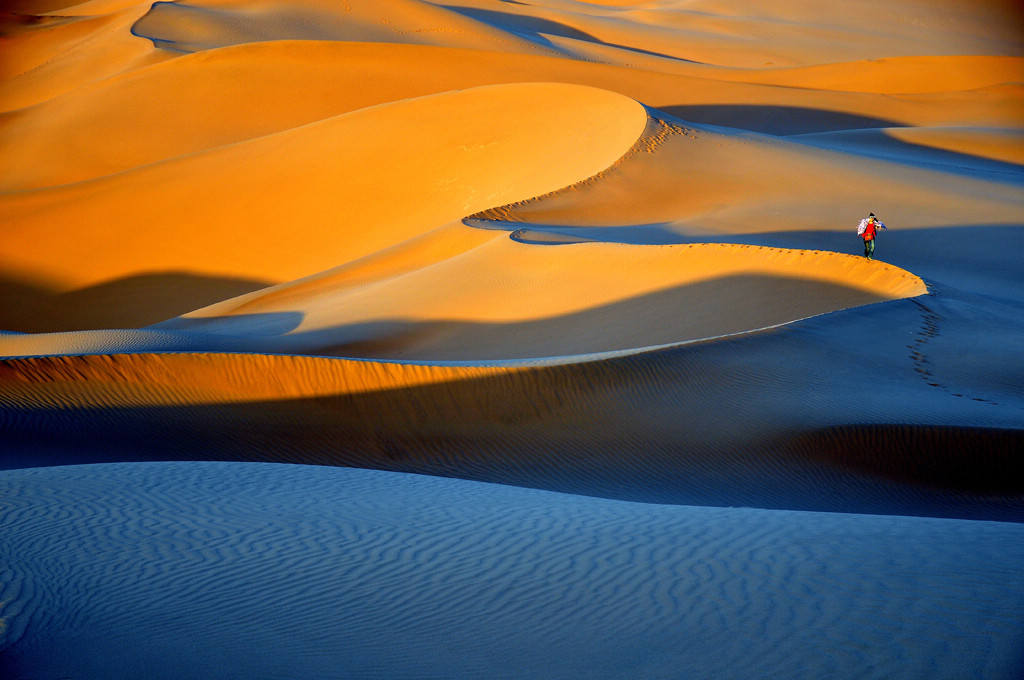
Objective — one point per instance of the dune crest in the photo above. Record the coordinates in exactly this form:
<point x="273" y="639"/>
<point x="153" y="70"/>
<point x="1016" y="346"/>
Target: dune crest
<point x="342" y="186"/>
<point x="523" y="301"/>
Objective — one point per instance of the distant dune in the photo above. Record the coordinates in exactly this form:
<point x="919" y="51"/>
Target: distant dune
<point x="577" y="285"/>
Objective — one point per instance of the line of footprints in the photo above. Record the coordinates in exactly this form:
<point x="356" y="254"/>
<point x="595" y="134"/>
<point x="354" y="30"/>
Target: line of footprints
<point x="930" y="320"/>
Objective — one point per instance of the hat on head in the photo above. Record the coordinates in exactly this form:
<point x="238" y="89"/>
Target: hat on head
<point x="871" y="214"/>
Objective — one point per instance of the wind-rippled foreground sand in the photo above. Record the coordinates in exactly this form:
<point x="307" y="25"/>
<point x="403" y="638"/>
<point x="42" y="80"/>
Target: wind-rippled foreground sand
<point x="511" y="339"/>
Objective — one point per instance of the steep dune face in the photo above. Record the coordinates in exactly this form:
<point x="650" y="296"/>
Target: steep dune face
<point x="749" y="421"/>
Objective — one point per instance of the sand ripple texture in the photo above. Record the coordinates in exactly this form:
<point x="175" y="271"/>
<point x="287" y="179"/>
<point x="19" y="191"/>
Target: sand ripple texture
<point x="273" y="571"/>
<point x="491" y="339"/>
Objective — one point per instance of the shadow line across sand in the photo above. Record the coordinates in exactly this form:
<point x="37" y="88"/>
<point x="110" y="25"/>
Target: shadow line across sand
<point x="675" y="426"/>
<point x="719" y="307"/>
<point x="129" y="302"/>
<point x="472" y="429"/>
<point x="536" y="30"/>
<point x="878" y="144"/>
<point x="775" y="120"/>
<point x="847" y="133"/>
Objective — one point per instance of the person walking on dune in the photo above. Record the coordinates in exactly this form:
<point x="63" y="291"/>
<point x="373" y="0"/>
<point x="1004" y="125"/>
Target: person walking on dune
<point x="867" y="230"/>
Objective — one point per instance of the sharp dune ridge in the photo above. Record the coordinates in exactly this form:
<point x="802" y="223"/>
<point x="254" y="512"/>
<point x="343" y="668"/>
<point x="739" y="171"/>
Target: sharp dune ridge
<point x="350" y="339"/>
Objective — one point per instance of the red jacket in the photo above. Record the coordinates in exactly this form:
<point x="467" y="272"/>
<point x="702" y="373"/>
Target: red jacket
<point x="868" y="228"/>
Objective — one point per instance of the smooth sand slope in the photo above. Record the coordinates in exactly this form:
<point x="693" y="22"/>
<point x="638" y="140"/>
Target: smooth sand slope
<point x="449" y="155"/>
<point x="600" y="253"/>
<point x="294" y="571"/>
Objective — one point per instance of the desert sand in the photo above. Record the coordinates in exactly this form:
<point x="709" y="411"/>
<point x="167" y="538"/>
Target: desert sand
<point x="511" y="339"/>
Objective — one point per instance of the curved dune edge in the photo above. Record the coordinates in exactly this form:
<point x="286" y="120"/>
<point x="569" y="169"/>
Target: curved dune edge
<point x="526" y="301"/>
<point x="151" y="368"/>
<point x="703" y="182"/>
<point x="71" y="51"/>
<point x="347" y="186"/>
<point x="520" y="304"/>
<point x="143" y="342"/>
<point x="205" y="26"/>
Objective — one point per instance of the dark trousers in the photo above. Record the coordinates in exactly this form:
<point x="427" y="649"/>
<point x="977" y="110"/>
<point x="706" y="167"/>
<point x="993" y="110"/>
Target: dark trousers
<point x="869" y="248"/>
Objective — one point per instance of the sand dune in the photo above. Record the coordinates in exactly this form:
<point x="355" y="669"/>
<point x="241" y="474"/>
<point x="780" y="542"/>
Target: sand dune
<point x="525" y="301"/>
<point x="200" y="26"/>
<point x="588" y="269"/>
<point x="65" y="50"/>
<point x="632" y="425"/>
<point x="304" y="185"/>
<point x="387" y="575"/>
<point x="121" y="123"/>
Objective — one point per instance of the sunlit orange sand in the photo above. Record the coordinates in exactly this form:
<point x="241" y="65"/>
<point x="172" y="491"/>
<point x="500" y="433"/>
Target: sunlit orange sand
<point x="600" y="253"/>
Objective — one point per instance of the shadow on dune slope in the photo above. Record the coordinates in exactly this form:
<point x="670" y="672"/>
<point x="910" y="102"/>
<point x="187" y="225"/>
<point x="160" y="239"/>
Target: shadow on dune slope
<point x="932" y="456"/>
<point x="936" y="253"/>
<point x="877" y="143"/>
<point x="775" y="120"/>
<point x="474" y="430"/>
<point x="729" y="423"/>
<point x="129" y="302"/>
<point x="710" y="308"/>
<point x="848" y="133"/>
<point x="981" y="259"/>
<point x="536" y="30"/>
<point x="186" y="28"/>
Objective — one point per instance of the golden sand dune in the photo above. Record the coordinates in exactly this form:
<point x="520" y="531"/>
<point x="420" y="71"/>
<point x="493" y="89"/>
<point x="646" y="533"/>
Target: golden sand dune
<point x="523" y="300"/>
<point x="58" y="51"/>
<point x="603" y="248"/>
<point x="445" y="155"/>
<point x="902" y="75"/>
<point x="518" y="302"/>
<point x="198" y="26"/>
<point x="122" y="122"/>
<point x="706" y="182"/>
<point x="330" y="149"/>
